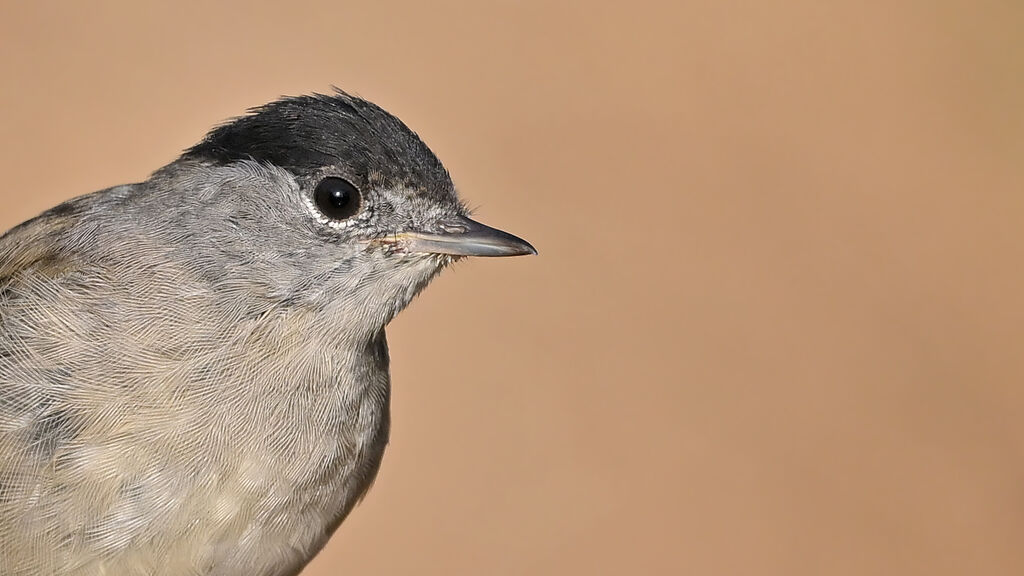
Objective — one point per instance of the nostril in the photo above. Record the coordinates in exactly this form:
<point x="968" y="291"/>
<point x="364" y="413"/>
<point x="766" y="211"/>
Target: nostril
<point x="454" y="228"/>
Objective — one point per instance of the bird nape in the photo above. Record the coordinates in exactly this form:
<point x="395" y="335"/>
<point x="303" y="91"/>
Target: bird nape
<point x="193" y="369"/>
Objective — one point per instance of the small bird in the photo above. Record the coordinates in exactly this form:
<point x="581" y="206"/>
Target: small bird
<point x="193" y="369"/>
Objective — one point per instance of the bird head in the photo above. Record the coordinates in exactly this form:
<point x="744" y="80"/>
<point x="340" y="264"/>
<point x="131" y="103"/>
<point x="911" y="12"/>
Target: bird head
<point x="332" y="201"/>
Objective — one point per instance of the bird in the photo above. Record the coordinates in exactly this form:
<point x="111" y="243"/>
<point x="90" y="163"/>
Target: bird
<point x="194" y="368"/>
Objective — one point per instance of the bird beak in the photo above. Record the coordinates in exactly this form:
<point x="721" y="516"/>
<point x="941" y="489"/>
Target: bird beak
<point x="465" y="237"/>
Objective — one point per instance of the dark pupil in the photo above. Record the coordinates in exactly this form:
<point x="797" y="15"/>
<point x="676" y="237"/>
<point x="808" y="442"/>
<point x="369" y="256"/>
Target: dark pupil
<point x="339" y="198"/>
<point x="336" y="198"/>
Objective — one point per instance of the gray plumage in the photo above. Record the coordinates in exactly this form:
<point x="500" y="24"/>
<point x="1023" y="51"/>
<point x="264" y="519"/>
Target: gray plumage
<point x="193" y="369"/>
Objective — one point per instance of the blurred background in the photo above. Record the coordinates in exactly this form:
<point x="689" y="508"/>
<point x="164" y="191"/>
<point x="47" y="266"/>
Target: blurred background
<point x="777" y="320"/>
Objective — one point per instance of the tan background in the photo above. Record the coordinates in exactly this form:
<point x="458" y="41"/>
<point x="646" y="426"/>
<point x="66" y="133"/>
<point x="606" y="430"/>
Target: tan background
<point x="777" y="320"/>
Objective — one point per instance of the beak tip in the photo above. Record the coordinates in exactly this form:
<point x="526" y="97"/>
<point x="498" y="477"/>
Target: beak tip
<point x="517" y="247"/>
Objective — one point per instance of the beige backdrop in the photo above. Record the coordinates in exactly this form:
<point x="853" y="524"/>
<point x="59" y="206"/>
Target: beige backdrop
<point x="775" y="326"/>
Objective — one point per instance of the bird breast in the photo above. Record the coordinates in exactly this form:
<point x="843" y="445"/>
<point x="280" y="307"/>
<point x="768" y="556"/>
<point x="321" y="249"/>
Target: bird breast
<point x="178" y="435"/>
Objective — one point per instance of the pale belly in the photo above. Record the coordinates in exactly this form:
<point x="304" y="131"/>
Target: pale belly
<point x="246" y="503"/>
<point x="179" y="460"/>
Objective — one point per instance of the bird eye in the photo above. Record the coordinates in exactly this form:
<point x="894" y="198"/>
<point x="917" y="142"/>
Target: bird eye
<point x="336" y="198"/>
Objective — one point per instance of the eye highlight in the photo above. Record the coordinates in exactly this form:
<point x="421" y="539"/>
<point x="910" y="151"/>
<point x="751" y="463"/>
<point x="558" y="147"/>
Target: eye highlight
<point x="336" y="198"/>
